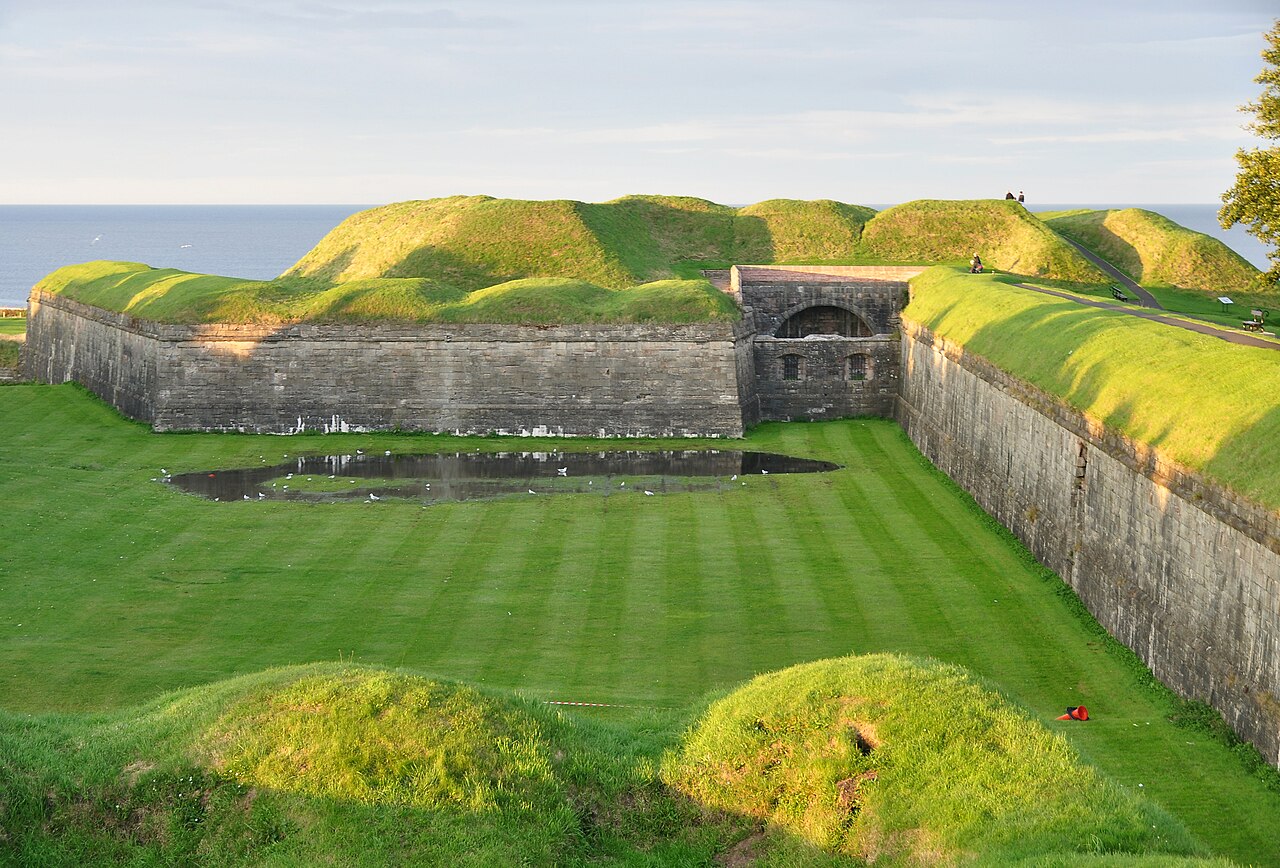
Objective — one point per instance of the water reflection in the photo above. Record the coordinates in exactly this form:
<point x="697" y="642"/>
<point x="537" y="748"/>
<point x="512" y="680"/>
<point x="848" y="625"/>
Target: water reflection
<point x="479" y="475"/>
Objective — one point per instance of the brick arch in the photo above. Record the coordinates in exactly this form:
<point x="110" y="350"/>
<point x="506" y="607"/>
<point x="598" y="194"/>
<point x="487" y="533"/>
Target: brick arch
<point x="858" y="325"/>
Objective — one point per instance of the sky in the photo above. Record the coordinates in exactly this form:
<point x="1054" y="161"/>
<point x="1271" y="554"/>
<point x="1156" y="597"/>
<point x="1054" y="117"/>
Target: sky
<point x="863" y="101"/>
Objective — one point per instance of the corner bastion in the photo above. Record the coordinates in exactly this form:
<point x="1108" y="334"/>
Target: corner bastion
<point x="814" y="342"/>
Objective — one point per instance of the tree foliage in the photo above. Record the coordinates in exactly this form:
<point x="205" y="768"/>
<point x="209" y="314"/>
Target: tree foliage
<point x="1254" y="199"/>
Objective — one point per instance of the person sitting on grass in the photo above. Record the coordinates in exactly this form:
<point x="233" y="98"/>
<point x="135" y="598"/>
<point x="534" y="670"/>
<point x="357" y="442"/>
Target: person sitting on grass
<point x="975" y="264"/>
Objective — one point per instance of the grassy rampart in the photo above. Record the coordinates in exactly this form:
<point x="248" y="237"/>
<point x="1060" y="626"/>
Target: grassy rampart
<point x="167" y="295"/>
<point x="1211" y="406"/>
<point x="877" y="758"/>
<point x="1154" y="250"/>
<point x="635" y="259"/>
<point x="1004" y="233"/>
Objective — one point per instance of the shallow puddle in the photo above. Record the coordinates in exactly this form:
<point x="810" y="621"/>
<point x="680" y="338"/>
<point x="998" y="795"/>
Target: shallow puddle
<point x="479" y="475"/>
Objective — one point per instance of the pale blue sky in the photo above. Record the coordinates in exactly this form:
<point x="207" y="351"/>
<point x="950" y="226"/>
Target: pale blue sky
<point x="273" y="101"/>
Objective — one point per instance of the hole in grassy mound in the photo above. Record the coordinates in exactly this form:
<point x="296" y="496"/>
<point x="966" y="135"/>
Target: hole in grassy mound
<point x="883" y="757"/>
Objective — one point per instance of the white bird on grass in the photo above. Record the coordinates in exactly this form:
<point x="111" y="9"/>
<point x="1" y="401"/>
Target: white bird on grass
<point x="563" y="471"/>
<point x="735" y="478"/>
<point x="648" y="493"/>
<point x="531" y="491"/>
<point x="765" y="472"/>
<point x="374" y="497"/>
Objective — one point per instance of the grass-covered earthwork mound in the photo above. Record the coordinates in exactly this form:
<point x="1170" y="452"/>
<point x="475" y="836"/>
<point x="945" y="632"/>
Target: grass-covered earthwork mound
<point x="1206" y="404"/>
<point x="1154" y="250"/>
<point x="831" y="763"/>
<point x="1005" y="234"/>
<point x="635" y="259"/>
<point x="168" y="295"/>
<point x="471" y="242"/>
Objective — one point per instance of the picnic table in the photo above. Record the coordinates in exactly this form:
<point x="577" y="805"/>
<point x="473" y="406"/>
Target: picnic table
<point x="1118" y="294"/>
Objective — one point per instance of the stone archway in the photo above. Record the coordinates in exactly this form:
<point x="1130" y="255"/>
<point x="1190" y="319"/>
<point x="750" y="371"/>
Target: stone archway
<point x="823" y="319"/>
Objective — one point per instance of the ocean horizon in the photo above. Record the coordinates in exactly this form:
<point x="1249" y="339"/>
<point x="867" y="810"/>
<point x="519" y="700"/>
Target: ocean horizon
<point x="262" y="241"/>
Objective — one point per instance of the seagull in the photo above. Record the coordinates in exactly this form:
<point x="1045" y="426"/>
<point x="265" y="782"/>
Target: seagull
<point x="96" y="239"/>
<point x="735" y="477"/>
<point x="388" y="452"/>
<point x="374" y="497"/>
<point x="648" y="493"/>
<point x="358" y="452"/>
<point x="624" y="482"/>
<point x="246" y="497"/>
<point x="590" y="482"/>
<point x="184" y="246"/>
<point x="261" y="495"/>
<point x="563" y="471"/>
<point x="531" y="491"/>
<point x="765" y="472"/>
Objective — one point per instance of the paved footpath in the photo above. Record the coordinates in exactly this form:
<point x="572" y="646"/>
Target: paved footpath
<point x="1233" y="337"/>
<point x="1145" y="298"/>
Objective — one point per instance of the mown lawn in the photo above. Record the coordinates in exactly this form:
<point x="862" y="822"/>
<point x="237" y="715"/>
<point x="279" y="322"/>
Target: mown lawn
<point x="13" y="325"/>
<point x="114" y="588"/>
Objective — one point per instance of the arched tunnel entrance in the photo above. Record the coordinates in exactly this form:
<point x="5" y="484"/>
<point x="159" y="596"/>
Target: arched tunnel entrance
<point x="824" y="320"/>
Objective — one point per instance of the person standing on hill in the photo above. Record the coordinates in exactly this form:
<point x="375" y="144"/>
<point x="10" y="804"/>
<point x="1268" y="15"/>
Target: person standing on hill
<point x="1008" y="194"/>
<point x="1021" y="198"/>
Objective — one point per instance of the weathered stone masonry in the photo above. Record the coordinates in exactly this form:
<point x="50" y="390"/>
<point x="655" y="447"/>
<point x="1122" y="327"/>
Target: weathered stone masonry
<point x="826" y="342"/>
<point x="1180" y="570"/>
<point x="615" y="380"/>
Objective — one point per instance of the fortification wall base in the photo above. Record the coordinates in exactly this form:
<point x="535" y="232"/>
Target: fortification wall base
<point x="600" y="381"/>
<point x="1178" y="569"/>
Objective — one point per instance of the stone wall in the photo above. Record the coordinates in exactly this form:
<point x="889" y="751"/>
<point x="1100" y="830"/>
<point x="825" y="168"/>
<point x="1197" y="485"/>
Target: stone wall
<point x="824" y="388"/>
<point x="597" y="380"/>
<point x="1182" y="571"/>
<point x="775" y="292"/>
<point x="111" y="354"/>
<point x="822" y="385"/>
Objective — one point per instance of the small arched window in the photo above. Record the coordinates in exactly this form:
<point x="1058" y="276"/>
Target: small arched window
<point x="792" y="367"/>
<point x="857" y="367"/>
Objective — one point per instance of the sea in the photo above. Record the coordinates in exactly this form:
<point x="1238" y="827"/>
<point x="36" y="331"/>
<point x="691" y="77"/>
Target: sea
<point x="262" y="241"/>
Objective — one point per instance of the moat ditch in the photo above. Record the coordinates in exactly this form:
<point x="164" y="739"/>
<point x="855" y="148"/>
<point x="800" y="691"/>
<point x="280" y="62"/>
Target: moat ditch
<point x="457" y="476"/>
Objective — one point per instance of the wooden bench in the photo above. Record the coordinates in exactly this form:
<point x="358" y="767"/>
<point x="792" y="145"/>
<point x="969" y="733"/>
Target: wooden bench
<point x="1118" y="295"/>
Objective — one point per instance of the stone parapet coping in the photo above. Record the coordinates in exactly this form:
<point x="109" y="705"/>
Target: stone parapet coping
<point x="398" y="331"/>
